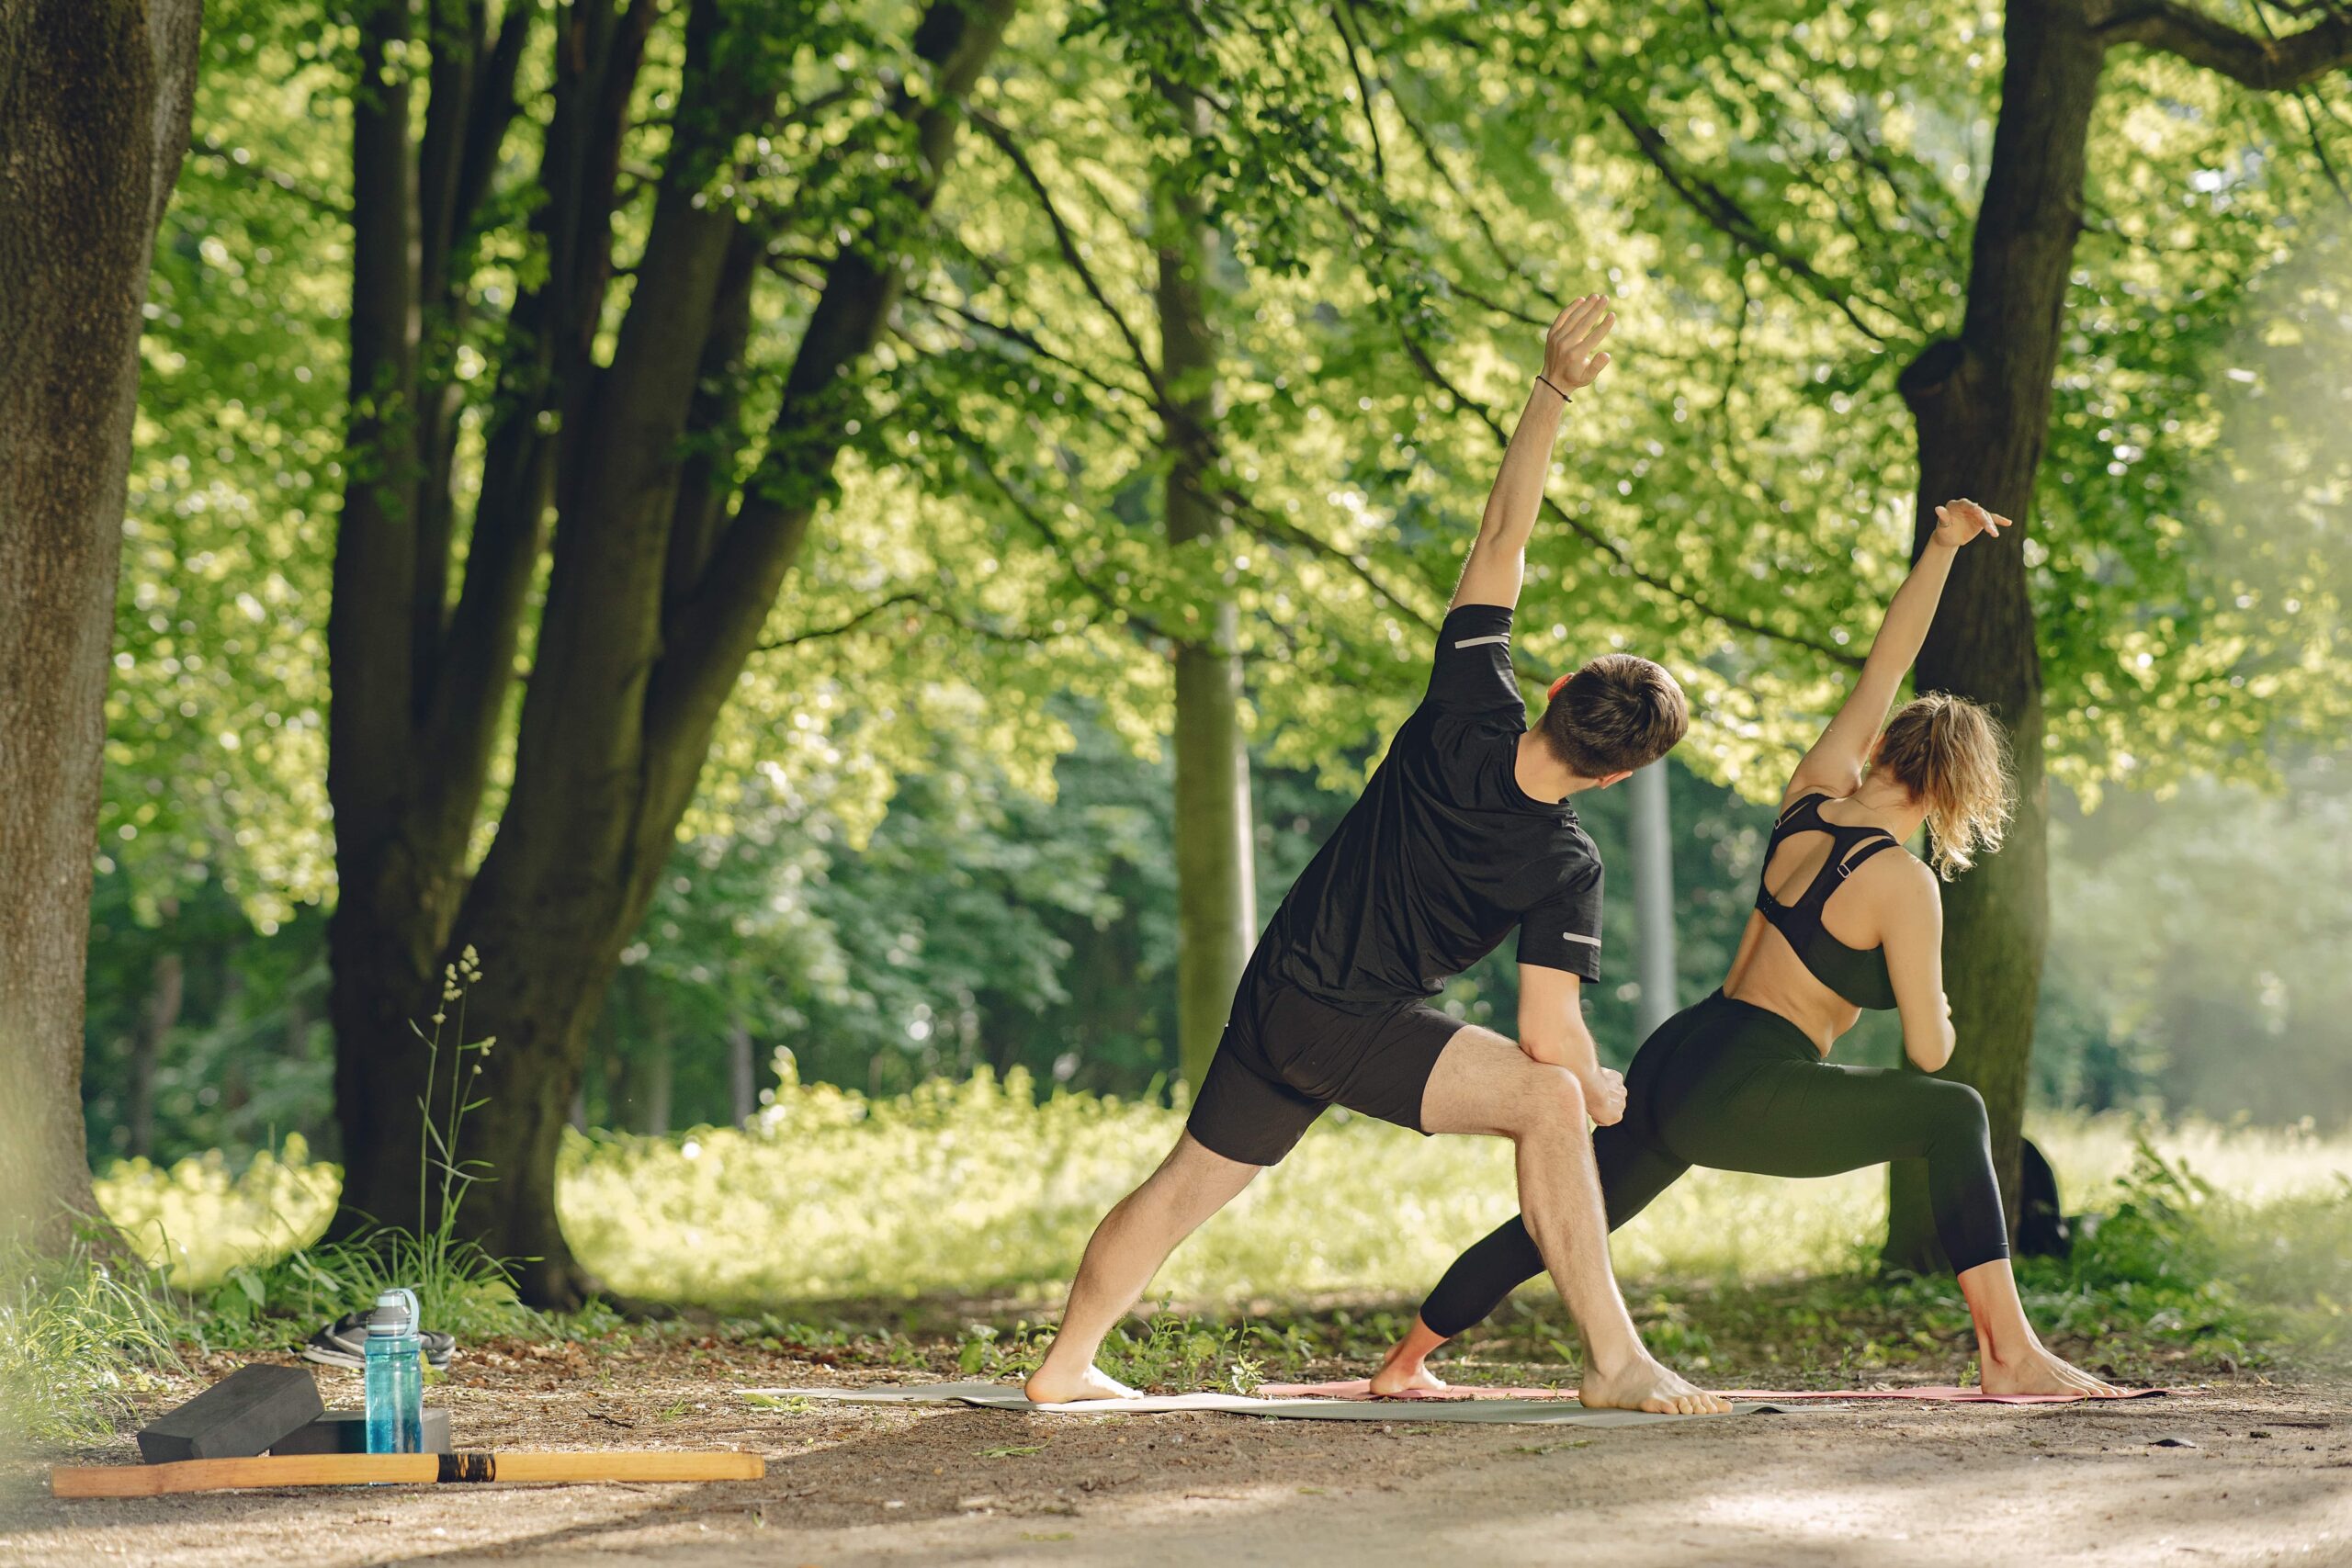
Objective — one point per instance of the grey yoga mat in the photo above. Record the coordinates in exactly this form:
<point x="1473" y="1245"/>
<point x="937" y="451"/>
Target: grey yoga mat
<point x="1517" y="1412"/>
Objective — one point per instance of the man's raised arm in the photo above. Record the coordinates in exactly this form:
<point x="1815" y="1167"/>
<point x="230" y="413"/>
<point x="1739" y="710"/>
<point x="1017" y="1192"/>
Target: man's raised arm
<point x="1572" y="361"/>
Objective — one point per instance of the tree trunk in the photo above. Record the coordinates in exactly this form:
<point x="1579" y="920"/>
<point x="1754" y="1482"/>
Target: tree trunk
<point x="647" y="1065"/>
<point x="655" y="599"/>
<point x="743" y="1078"/>
<point x="1982" y="403"/>
<point x="659" y="1077"/>
<point x="1653" y="836"/>
<point x="1215" y="874"/>
<point x="156" y="1019"/>
<point x="397" y="884"/>
<point x="93" y="115"/>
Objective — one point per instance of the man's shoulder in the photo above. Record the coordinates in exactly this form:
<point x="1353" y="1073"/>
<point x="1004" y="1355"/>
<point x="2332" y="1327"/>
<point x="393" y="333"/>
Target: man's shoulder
<point x="1571" y="852"/>
<point x="1466" y="730"/>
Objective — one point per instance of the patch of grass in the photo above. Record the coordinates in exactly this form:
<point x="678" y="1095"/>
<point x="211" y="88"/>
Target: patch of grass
<point x="786" y="1403"/>
<point x="78" y="1336"/>
<point x="981" y="1189"/>
<point x="459" y="1289"/>
<point x="1177" y="1354"/>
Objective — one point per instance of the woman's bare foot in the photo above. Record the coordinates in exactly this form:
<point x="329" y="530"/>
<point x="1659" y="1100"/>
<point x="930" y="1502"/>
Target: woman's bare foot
<point x="1643" y="1384"/>
<point x="1406" y="1372"/>
<point x="1050" y="1385"/>
<point x="1408" y="1366"/>
<point x="2039" y="1371"/>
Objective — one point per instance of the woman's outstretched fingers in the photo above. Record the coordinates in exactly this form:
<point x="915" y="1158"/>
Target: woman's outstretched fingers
<point x="1571" y="359"/>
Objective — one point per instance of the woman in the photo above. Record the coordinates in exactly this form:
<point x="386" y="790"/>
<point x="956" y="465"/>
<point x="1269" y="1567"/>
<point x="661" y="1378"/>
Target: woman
<point x="1739" y="1082"/>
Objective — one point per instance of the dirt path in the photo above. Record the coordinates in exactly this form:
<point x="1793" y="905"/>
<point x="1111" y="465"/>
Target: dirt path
<point x="2245" y="1474"/>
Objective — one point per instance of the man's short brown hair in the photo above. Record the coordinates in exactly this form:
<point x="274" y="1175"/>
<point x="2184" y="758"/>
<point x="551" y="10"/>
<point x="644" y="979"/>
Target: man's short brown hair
<point x="1617" y="714"/>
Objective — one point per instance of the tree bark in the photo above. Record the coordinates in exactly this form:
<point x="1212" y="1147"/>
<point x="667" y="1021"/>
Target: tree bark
<point x="1215" y="872"/>
<point x="1982" y="404"/>
<point x="95" y="103"/>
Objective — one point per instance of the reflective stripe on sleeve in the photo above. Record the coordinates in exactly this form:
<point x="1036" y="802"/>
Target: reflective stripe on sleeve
<point x="1483" y="641"/>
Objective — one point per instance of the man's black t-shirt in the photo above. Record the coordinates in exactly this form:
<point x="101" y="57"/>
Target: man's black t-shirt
<point x="1444" y="852"/>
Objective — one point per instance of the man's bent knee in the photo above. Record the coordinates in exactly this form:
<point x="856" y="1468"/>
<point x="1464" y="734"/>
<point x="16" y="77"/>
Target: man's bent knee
<point x="1554" y="1101"/>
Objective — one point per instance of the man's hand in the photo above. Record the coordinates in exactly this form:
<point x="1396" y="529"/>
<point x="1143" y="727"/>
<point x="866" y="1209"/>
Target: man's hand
<point x="1957" y="522"/>
<point x="1604" y="1097"/>
<point x="1572" y="356"/>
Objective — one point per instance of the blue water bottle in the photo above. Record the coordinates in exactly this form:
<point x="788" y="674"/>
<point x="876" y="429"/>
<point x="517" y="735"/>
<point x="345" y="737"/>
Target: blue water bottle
<point x="395" y="1376"/>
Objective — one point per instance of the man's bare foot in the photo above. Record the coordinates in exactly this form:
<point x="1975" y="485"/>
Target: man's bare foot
<point x="1643" y="1384"/>
<point x="1050" y="1385"/>
<point x="2039" y="1371"/>
<point x="1405" y="1372"/>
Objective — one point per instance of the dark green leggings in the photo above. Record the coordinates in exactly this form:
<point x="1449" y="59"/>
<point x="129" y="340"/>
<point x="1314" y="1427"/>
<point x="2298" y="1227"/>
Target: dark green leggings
<point x="1733" y="1087"/>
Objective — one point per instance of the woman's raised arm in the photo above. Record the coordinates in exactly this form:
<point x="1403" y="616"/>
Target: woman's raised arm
<point x="1836" y="763"/>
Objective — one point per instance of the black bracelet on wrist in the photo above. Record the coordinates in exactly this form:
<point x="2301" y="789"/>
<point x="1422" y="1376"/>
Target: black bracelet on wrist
<point x="1555" y="386"/>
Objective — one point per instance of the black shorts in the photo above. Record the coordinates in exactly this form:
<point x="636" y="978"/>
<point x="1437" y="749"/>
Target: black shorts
<point x="1285" y="1056"/>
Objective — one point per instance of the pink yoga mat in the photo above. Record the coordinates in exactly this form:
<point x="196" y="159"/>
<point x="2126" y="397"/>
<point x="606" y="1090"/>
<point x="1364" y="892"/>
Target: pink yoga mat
<point x="1361" y="1389"/>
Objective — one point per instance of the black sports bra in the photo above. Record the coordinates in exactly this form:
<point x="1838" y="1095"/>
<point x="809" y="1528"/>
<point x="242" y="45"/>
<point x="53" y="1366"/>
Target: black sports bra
<point x="1859" y="975"/>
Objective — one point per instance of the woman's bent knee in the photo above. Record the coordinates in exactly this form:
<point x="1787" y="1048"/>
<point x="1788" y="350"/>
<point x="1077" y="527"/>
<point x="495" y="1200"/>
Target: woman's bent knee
<point x="1958" y="1107"/>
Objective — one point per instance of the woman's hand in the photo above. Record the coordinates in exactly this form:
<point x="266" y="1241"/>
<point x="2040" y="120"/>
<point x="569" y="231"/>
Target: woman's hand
<point x="1572" y="356"/>
<point x="1957" y="522"/>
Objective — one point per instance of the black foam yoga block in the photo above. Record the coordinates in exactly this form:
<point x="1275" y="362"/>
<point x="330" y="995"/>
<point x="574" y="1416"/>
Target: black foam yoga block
<point x="237" y="1417"/>
<point x="345" y="1432"/>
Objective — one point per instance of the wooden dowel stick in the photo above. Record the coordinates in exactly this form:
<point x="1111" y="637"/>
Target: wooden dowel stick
<point x="357" y="1470"/>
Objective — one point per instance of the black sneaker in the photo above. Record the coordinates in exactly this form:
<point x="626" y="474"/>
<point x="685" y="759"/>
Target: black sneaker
<point x="344" y="1343"/>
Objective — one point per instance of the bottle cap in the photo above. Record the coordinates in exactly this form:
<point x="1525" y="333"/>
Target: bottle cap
<point x="395" y="1312"/>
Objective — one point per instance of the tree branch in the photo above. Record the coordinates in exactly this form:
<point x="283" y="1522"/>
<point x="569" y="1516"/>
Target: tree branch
<point x="923" y="604"/>
<point x="1002" y="138"/>
<point x="1616" y="552"/>
<point x="1340" y="18"/>
<point x="209" y="149"/>
<point x="843" y="628"/>
<point x="1713" y="203"/>
<point x="1028" y="340"/>
<point x="1021" y="505"/>
<point x="2267" y="65"/>
<point x="716" y="627"/>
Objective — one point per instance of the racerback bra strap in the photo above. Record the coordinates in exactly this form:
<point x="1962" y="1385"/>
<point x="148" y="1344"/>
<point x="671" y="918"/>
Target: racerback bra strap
<point x="1850" y="847"/>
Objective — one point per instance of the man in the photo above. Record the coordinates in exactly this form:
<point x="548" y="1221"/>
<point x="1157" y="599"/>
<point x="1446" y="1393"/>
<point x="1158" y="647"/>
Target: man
<point x="1463" y="833"/>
